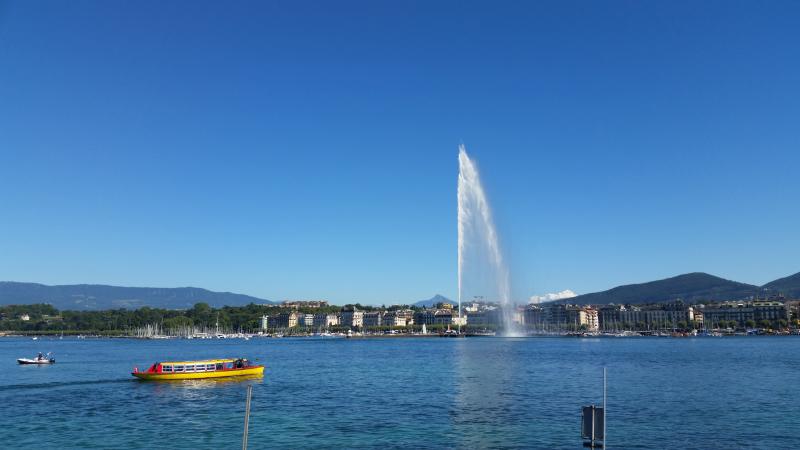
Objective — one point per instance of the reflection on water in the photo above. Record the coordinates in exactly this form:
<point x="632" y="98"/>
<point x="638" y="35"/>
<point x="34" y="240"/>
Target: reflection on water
<point x="487" y="395"/>
<point x="201" y="389"/>
<point x="204" y="383"/>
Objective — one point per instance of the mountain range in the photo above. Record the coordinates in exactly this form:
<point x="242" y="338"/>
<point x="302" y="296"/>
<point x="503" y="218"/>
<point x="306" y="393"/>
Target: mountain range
<point x="97" y="296"/>
<point x="694" y="287"/>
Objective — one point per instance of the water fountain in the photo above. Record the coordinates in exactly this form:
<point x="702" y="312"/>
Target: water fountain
<point x="478" y="243"/>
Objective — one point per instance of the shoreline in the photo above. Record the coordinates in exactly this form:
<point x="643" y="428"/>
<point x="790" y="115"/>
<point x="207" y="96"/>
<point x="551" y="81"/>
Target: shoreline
<point x="37" y="336"/>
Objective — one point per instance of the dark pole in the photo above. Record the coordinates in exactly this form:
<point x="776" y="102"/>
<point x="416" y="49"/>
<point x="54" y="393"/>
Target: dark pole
<point x="247" y="416"/>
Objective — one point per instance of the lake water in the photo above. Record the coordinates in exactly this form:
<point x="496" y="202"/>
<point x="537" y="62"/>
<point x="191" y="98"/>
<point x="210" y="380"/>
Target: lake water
<point x="407" y="393"/>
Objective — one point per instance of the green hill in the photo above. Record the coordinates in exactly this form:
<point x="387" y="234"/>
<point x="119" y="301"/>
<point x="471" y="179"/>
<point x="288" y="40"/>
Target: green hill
<point x="691" y="288"/>
<point x="788" y="286"/>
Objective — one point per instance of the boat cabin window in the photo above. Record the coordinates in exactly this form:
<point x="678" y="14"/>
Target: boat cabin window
<point x="200" y="368"/>
<point x="210" y="366"/>
<point x="166" y="368"/>
<point x="190" y="368"/>
<point x="229" y="365"/>
<point x="178" y="368"/>
<point x="219" y="366"/>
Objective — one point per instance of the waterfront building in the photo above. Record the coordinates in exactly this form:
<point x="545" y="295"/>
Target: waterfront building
<point x="404" y="318"/>
<point x="549" y="317"/>
<point x="322" y="320"/>
<point x="287" y="320"/>
<point x="434" y="317"/>
<point x="699" y="319"/>
<point x="793" y="307"/>
<point x="610" y="316"/>
<point x="581" y="318"/>
<point x="373" y="318"/>
<point x="488" y="315"/>
<point x="744" y="312"/>
<point x="306" y="320"/>
<point x="668" y="315"/>
<point x="352" y="317"/>
<point x="399" y="318"/>
<point x="561" y="317"/>
<point x="264" y="322"/>
<point x="591" y="319"/>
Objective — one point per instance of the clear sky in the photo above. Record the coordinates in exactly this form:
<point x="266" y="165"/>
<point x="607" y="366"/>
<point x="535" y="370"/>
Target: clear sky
<point x="309" y="149"/>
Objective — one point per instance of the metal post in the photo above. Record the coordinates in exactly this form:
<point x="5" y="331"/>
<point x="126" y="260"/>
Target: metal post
<point x="604" y="409"/>
<point x="247" y="416"/>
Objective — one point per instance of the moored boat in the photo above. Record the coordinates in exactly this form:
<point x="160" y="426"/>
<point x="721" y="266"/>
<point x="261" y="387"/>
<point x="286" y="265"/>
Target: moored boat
<point x="192" y="370"/>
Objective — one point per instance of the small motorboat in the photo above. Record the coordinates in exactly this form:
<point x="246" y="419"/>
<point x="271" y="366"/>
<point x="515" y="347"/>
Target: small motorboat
<point x="40" y="359"/>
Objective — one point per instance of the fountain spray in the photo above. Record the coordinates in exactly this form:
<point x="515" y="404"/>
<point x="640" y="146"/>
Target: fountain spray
<point x="476" y="226"/>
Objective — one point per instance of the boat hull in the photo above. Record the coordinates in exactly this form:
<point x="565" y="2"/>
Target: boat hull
<point x="36" y="361"/>
<point x="247" y="371"/>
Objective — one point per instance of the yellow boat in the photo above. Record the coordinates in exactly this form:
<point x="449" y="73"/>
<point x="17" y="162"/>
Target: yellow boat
<point x="193" y="370"/>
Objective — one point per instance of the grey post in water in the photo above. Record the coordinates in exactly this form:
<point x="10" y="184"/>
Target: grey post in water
<point x="247" y="416"/>
<point x="593" y="422"/>
<point x="605" y="439"/>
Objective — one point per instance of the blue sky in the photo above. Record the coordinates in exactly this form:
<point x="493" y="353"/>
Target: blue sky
<point x="309" y="149"/>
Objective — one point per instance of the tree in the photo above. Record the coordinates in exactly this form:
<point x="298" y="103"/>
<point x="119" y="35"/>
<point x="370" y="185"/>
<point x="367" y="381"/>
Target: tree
<point x="750" y="323"/>
<point x="175" y="323"/>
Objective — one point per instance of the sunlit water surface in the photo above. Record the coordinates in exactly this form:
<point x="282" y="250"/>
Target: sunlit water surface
<point x="407" y="393"/>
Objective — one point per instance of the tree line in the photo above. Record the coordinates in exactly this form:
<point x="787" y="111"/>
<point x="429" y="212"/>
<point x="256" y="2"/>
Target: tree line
<point x="45" y="318"/>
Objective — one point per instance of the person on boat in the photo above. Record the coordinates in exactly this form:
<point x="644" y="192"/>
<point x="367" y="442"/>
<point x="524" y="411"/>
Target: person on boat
<point x="40" y="357"/>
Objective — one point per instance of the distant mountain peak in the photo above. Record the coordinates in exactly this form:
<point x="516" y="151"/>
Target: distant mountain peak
<point x="438" y="298"/>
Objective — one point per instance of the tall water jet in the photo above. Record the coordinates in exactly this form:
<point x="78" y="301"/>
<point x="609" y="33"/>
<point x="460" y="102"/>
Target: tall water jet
<point x="478" y="241"/>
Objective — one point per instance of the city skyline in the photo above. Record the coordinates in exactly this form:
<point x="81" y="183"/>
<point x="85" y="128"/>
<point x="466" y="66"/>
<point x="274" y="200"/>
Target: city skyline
<point x="283" y="152"/>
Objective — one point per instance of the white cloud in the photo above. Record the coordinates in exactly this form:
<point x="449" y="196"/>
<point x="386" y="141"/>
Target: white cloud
<point x="567" y="293"/>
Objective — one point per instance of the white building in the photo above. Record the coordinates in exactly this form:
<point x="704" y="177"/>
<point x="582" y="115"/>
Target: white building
<point x="322" y="320"/>
<point x="264" y="322"/>
<point x="352" y="318"/>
